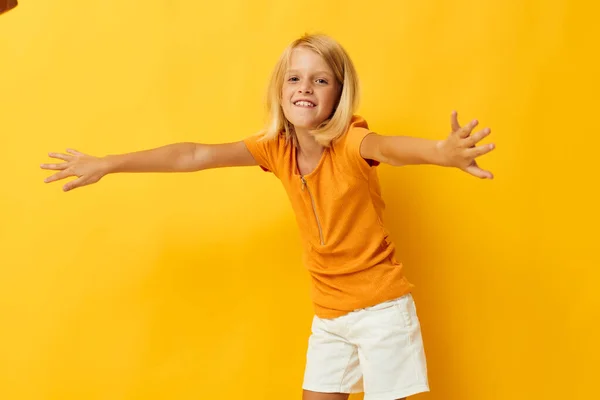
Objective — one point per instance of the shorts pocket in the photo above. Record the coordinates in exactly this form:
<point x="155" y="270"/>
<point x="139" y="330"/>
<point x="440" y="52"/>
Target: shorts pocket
<point x="406" y="307"/>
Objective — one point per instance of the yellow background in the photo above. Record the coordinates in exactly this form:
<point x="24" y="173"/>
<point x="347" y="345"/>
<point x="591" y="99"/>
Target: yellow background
<point x="190" y="286"/>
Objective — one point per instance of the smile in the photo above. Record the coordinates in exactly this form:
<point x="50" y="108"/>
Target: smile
<point x="303" y="103"/>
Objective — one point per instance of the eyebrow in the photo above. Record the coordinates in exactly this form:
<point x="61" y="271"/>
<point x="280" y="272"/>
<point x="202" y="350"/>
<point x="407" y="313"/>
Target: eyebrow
<point x="290" y="71"/>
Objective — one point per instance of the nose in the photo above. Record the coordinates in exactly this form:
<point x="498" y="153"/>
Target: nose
<point x="305" y="88"/>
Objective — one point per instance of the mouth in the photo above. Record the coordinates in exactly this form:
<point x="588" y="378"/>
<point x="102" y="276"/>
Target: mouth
<point x="304" y="104"/>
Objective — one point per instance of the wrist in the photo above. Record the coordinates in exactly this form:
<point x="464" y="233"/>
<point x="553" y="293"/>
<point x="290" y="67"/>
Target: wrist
<point x="108" y="165"/>
<point x="439" y="154"/>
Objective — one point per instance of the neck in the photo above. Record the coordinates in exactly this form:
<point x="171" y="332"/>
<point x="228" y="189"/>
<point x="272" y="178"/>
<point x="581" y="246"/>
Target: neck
<point x="307" y="145"/>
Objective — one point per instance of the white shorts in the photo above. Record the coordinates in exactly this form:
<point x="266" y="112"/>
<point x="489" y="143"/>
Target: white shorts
<point x="376" y="350"/>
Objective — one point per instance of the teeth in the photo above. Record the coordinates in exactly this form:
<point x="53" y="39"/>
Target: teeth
<point x="304" y="104"/>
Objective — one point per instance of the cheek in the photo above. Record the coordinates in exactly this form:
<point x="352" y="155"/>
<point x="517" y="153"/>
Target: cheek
<point x="286" y="93"/>
<point x="331" y="98"/>
<point x="285" y="102"/>
<point x="285" y="98"/>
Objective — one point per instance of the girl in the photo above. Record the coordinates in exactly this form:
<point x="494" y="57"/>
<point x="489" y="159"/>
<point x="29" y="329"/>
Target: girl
<point x="365" y="334"/>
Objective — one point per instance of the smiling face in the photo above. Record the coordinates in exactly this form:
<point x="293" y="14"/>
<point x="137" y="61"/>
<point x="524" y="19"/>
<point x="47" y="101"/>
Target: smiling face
<point x="310" y="91"/>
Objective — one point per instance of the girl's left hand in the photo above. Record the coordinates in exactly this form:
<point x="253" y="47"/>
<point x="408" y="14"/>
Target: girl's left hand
<point x="459" y="150"/>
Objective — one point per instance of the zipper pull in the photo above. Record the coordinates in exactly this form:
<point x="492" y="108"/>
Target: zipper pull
<point x="303" y="182"/>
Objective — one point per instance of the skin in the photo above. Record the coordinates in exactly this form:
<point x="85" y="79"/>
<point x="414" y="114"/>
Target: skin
<point x="309" y="78"/>
<point x="308" y="395"/>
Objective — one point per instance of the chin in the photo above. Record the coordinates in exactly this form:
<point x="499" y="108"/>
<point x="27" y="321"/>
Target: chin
<point x="304" y="123"/>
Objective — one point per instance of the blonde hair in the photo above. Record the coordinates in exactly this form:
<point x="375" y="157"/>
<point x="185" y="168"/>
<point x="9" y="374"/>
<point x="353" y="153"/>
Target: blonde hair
<point x="343" y="69"/>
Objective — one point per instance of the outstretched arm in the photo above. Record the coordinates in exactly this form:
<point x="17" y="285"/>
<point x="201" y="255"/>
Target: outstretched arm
<point x="177" y="157"/>
<point x="457" y="150"/>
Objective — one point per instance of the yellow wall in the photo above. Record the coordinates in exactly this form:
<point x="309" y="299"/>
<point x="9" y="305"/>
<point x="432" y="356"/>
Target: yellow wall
<point x="191" y="287"/>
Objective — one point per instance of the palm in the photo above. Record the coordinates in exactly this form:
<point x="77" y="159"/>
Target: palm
<point x="87" y="169"/>
<point x="462" y="149"/>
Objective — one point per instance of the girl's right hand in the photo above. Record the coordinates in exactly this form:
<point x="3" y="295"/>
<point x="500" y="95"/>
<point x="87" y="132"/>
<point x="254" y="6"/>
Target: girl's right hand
<point x="88" y="169"/>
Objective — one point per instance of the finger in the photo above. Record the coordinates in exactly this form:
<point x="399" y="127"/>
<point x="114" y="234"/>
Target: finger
<point x="465" y="131"/>
<point x="454" y="121"/>
<point x="58" y="176"/>
<point x="478" y="172"/>
<point x="477" y="137"/>
<point x="480" y="150"/>
<point x="60" y="156"/>
<point x="60" y="166"/>
<point x="75" y="152"/>
<point x="79" y="182"/>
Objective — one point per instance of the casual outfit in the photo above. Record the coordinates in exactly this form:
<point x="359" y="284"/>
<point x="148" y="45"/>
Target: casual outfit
<point x="365" y="333"/>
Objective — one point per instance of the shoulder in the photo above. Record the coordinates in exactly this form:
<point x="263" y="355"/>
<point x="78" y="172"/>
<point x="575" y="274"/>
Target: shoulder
<point x="350" y="143"/>
<point x="268" y="151"/>
<point x="260" y="139"/>
<point x="358" y="126"/>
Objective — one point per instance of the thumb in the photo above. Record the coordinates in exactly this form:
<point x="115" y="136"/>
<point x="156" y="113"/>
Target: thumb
<point x="454" y="125"/>
<point x="478" y="172"/>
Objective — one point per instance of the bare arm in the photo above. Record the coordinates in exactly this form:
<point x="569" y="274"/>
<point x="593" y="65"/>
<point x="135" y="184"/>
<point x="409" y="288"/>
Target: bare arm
<point x="401" y="150"/>
<point x="177" y="157"/>
<point x="182" y="157"/>
<point x="458" y="150"/>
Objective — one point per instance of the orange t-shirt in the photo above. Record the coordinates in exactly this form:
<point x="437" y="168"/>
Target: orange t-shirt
<point x="339" y="210"/>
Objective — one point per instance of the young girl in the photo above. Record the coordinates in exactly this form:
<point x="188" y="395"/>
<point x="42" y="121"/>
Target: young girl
<point x="366" y="334"/>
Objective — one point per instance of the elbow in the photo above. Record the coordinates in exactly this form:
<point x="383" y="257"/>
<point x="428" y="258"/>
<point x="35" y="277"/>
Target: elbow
<point x="394" y="162"/>
<point x="192" y="158"/>
<point x="387" y="157"/>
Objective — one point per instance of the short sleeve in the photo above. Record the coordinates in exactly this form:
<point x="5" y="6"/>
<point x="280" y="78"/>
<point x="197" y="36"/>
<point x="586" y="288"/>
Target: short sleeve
<point x="264" y="152"/>
<point x="357" y="132"/>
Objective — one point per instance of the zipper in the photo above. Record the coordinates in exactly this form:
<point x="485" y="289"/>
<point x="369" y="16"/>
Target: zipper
<point x="312" y="200"/>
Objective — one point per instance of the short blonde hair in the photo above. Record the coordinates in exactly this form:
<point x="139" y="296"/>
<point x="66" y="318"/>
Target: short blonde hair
<point x="345" y="74"/>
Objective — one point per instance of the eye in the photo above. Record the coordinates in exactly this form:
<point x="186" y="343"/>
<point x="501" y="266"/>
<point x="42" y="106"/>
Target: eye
<point x="322" y="81"/>
<point x="293" y="79"/>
